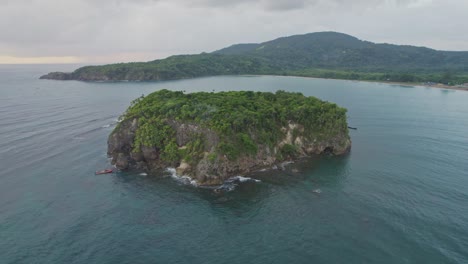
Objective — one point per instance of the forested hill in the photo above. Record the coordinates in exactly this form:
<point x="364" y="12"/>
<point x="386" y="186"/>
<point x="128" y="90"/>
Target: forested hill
<point x="323" y="54"/>
<point x="333" y="50"/>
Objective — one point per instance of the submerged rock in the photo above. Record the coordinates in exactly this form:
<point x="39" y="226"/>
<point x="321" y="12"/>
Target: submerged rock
<point x="213" y="137"/>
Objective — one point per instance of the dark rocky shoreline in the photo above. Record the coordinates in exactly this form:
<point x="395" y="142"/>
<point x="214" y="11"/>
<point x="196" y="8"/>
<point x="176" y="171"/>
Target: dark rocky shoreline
<point x="208" y="171"/>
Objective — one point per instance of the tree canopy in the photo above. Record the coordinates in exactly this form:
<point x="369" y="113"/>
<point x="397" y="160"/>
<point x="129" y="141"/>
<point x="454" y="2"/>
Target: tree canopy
<point x="242" y="119"/>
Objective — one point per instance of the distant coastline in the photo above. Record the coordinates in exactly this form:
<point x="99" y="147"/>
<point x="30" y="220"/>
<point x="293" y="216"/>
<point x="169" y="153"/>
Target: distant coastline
<point x="62" y="76"/>
<point x="438" y="85"/>
<point x="327" y="55"/>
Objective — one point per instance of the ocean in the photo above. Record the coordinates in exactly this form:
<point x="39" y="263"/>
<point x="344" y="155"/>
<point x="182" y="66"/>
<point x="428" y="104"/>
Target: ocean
<point x="400" y="196"/>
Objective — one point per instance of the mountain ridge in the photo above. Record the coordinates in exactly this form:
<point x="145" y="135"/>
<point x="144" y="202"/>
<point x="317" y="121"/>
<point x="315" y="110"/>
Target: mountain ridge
<point x="339" y="50"/>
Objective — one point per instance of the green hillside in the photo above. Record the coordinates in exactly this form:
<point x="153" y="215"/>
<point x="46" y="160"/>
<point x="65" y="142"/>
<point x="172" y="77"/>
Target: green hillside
<point x="330" y="50"/>
<point x="324" y="54"/>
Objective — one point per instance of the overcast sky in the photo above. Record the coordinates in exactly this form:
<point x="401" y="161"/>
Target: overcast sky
<point x="105" y="31"/>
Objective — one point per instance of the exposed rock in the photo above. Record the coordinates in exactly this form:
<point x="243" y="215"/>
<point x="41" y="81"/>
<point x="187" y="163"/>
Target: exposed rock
<point x="186" y="131"/>
<point x="122" y="161"/>
<point x="120" y="146"/>
<point x="183" y="168"/>
<point x="212" y="169"/>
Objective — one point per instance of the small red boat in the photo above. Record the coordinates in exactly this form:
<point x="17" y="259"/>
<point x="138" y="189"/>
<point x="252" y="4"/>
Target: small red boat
<point x="104" y="171"/>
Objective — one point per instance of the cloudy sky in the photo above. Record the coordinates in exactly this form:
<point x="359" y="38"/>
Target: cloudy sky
<point x="105" y="31"/>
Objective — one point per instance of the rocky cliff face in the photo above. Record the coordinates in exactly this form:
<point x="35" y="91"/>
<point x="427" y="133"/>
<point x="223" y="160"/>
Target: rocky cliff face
<point x="214" y="136"/>
<point x="211" y="168"/>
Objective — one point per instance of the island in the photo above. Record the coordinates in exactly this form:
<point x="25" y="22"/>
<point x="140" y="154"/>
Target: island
<point x="323" y="55"/>
<point x="211" y="137"/>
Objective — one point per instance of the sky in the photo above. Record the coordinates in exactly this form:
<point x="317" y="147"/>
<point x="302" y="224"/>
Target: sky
<point x="108" y="31"/>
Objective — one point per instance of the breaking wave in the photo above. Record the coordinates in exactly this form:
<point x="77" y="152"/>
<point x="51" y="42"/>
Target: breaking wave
<point x="231" y="183"/>
<point x="181" y="178"/>
<point x="228" y="185"/>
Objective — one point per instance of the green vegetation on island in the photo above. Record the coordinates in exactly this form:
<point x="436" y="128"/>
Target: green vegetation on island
<point x="174" y="68"/>
<point x="322" y="55"/>
<point x="228" y="132"/>
<point x="241" y="119"/>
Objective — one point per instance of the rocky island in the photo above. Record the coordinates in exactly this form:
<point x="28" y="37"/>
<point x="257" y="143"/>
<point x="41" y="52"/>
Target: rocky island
<point x="211" y="137"/>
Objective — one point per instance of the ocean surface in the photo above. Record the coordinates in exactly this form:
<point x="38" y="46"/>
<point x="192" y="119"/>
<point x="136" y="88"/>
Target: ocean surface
<point x="400" y="196"/>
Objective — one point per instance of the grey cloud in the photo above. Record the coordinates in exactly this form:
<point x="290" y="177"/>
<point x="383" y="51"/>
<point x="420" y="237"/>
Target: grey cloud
<point x="287" y="5"/>
<point x="279" y="5"/>
<point x="274" y="5"/>
<point x="157" y="28"/>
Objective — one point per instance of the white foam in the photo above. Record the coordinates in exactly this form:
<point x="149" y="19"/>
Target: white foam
<point x="106" y="126"/>
<point x="143" y="174"/>
<point x="243" y="179"/>
<point x="181" y="178"/>
<point x="228" y="185"/>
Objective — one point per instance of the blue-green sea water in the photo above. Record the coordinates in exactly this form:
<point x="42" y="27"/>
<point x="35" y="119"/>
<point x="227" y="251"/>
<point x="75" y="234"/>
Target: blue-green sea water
<point x="400" y="196"/>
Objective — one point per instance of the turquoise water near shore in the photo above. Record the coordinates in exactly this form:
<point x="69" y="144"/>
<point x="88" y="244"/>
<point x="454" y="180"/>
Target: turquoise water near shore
<point x="400" y="196"/>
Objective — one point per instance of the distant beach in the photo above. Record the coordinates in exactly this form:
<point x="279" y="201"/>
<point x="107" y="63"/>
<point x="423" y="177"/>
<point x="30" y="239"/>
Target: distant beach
<point x="418" y="84"/>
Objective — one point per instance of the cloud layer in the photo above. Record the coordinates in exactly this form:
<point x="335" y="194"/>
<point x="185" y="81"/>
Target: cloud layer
<point x="127" y="30"/>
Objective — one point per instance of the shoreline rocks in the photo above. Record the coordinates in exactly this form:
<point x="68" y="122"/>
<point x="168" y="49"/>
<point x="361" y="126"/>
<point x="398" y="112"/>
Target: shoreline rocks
<point x="211" y="169"/>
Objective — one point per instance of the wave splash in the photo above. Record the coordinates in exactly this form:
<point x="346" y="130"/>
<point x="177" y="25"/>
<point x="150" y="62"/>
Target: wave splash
<point x="181" y="178"/>
<point x="228" y="185"/>
<point x="233" y="182"/>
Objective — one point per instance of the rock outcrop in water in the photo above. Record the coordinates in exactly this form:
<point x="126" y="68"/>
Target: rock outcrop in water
<point x="213" y="136"/>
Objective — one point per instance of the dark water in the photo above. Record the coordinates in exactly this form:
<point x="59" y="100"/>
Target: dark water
<point x="401" y="196"/>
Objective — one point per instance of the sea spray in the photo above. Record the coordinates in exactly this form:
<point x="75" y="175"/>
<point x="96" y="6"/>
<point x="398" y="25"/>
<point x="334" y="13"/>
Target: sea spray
<point x="231" y="183"/>
<point x="181" y="178"/>
<point x="228" y="185"/>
